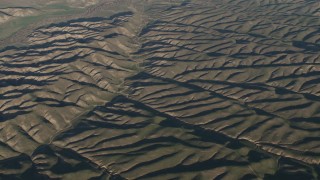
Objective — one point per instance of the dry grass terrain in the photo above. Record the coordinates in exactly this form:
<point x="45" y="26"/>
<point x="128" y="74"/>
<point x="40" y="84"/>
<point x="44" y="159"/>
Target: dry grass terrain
<point x="18" y="15"/>
<point x="148" y="89"/>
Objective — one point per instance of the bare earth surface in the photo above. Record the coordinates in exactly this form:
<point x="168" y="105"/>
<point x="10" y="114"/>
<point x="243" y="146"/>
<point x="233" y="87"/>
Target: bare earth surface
<point x="148" y="89"/>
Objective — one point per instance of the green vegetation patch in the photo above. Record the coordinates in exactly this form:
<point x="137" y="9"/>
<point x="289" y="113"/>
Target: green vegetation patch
<point x="52" y="10"/>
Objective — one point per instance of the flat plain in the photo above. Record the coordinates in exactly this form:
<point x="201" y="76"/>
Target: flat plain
<point x="149" y="89"/>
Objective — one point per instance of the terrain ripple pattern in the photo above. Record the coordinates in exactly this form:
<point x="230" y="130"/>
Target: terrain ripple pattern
<point x="196" y="89"/>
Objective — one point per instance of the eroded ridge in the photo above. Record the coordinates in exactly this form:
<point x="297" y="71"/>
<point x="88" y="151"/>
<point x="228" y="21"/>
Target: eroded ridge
<point x="68" y="70"/>
<point x="171" y="90"/>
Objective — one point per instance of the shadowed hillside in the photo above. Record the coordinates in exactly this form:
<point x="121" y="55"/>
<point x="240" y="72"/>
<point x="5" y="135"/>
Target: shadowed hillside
<point x="147" y="89"/>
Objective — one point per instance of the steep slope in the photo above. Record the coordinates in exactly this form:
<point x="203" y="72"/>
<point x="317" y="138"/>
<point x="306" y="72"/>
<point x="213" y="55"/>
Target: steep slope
<point x="166" y="90"/>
